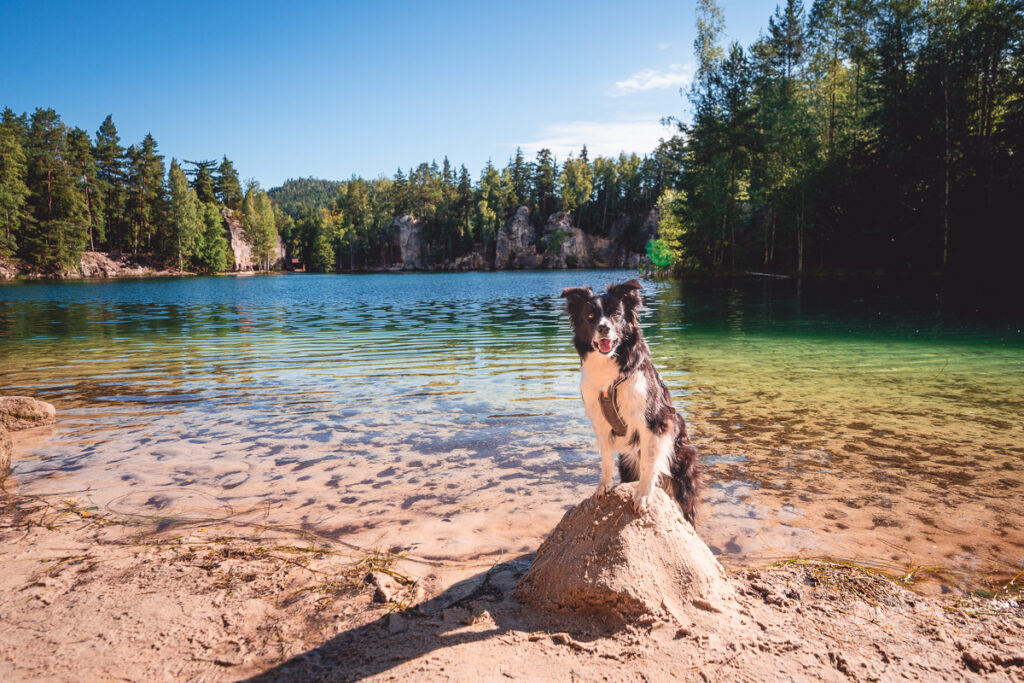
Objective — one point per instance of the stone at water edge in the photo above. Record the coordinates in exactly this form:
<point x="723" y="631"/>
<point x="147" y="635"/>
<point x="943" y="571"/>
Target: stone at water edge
<point x="605" y="561"/>
<point x="5" y="452"/>
<point x="23" y="412"/>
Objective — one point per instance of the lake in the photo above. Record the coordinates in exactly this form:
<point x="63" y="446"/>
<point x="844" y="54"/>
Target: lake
<point x="438" y="415"/>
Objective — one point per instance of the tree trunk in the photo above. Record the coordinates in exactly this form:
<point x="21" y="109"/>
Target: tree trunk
<point x="945" y="193"/>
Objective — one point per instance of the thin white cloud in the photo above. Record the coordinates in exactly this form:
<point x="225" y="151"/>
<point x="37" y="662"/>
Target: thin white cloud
<point x="650" y="79"/>
<point x="664" y="46"/>
<point x="602" y="138"/>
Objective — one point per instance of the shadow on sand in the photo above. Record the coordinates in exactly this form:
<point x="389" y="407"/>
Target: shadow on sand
<point x="478" y="609"/>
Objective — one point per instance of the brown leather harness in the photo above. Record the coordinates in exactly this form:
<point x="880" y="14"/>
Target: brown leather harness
<point x="610" y="408"/>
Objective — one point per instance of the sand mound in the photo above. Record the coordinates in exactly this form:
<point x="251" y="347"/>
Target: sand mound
<point x="606" y="561"/>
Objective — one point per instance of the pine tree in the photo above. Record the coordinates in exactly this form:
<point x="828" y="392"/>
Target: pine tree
<point x="80" y="157"/>
<point x="111" y="181"/>
<point x="201" y="176"/>
<point x="58" y="234"/>
<point x="186" y="227"/>
<point x="229" y="189"/>
<point x="13" y="190"/>
<point x="545" y="171"/>
<point x="212" y="248"/>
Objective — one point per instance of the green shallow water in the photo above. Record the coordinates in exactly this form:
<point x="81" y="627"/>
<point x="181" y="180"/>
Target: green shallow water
<point x="864" y="421"/>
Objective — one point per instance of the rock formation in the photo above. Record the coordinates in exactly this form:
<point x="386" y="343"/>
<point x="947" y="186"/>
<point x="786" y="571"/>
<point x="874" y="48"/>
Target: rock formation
<point x="240" y="247"/>
<point x="570" y="247"/>
<point x="22" y="412"/>
<point x="515" y="246"/>
<point x="605" y="561"/>
<point x="407" y="240"/>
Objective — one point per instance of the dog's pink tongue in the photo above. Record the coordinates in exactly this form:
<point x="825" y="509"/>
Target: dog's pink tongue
<point x="605" y="345"/>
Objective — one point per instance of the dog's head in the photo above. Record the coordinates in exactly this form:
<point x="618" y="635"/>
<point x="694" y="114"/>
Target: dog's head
<point x="603" y="322"/>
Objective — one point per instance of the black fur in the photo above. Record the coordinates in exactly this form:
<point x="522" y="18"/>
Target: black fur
<point x="620" y="305"/>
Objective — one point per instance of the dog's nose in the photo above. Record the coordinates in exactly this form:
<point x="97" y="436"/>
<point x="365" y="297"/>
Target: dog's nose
<point x="602" y="328"/>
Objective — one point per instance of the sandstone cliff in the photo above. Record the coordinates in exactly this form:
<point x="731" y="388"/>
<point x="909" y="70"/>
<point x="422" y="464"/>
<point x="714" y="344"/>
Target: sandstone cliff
<point x="407" y="241"/>
<point x="515" y="246"/>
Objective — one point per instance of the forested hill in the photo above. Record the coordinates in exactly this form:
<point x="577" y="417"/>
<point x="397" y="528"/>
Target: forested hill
<point x="303" y="195"/>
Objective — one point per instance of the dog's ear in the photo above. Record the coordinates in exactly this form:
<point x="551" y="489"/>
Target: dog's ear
<point x="575" y="297"/>
<point x="626" y="292"/>
<point x="575" y="294"/>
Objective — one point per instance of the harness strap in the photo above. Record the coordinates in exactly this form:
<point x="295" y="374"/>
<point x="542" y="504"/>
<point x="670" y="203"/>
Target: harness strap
<point x="610" y="408"/>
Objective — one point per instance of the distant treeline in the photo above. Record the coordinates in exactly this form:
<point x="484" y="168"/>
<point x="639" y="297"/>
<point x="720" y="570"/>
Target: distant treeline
<point x="348" y="225"/>
<point x="62" y="192"/>
<point x="870" y="134"/>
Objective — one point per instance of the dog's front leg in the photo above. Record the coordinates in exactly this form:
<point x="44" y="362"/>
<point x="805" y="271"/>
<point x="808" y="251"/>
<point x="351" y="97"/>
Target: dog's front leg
<point x="654" y="452"/>
<point x="605" y="445"/>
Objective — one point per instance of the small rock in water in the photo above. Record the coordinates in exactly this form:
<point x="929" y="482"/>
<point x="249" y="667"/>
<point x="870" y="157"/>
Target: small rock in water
<point x="23" y="412"/>
<point x="5" y="452"/>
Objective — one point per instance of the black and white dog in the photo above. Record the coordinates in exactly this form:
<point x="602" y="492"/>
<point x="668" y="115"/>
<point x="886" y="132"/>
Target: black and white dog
<point x="627" y="401"/>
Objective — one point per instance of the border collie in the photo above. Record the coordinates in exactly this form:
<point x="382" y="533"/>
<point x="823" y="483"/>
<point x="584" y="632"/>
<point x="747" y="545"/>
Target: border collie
<point x="627" y="401"/>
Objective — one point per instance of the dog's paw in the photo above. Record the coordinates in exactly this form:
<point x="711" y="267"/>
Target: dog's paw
<point x="641" y="502"/>
<point x="604" y="487"/>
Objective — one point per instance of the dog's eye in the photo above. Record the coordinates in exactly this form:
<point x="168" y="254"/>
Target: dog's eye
<point x="591" y="316"/>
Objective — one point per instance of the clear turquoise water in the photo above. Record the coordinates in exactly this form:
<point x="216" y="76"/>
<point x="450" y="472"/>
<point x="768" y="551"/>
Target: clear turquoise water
<point x="871" y="422"/>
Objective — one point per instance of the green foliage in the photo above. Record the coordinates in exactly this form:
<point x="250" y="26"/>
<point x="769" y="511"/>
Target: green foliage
<point x="259" y="223"/>
<point x="227" y="186"/>
<point x="553" y="244"/>
<point x="299" y="196"/>
<point x="659" y="253"/>
<point x="212" y="253"/>
<point x="13" y="191"/>
<point x="186" y="228"/>
<point x="876" y="134"/>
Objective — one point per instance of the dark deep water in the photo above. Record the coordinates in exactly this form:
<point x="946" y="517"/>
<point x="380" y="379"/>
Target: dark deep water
<point x="875" y="422"/>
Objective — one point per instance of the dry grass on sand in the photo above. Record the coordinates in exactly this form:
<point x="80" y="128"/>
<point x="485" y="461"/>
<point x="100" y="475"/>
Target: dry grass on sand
<point x="88" y="597"/>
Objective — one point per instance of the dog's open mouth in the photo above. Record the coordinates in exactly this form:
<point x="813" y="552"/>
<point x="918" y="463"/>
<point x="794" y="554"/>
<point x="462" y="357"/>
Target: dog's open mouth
<point x="604" y="345"/>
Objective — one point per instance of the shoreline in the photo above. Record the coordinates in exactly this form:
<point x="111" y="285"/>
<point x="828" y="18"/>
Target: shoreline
<point x="122" y="598"/>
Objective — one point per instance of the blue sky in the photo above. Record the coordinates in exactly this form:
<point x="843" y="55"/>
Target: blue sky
<point x="333" y="89"/>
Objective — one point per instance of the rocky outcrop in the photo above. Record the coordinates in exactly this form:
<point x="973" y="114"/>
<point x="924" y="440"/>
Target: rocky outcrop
<point x="241" y="247"/>
<point x="406" y="231"/>
<point x="570" y="247"/>
<point x="7" y="270"/>
<point x="475" y="260"/>
<point x="606" y="561"/>
<point x="515" y="245"/>
<point x="23" y="412"/>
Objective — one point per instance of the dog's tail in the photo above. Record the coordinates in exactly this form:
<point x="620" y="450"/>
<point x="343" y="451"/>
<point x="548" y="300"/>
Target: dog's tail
<point x="683" y="480"/>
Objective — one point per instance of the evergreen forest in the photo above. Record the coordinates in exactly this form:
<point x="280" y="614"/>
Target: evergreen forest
<point x="852" y="135"/>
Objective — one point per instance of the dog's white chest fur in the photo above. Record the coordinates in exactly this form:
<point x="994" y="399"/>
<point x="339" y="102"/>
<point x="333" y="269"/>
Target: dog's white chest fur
<point x="598" y="373"/>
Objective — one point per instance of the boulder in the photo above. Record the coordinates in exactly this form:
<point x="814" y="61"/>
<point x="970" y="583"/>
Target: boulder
<point x="471" y="261"/>
<point x="95" y="264"/>
<point x="515" y="243"/>
<point x="407" y="240"/>
<point x="6" y="447"/>
<point x="605" y="561"/>
<point x="22" y="412"/>
<point x="8" y="270"/>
